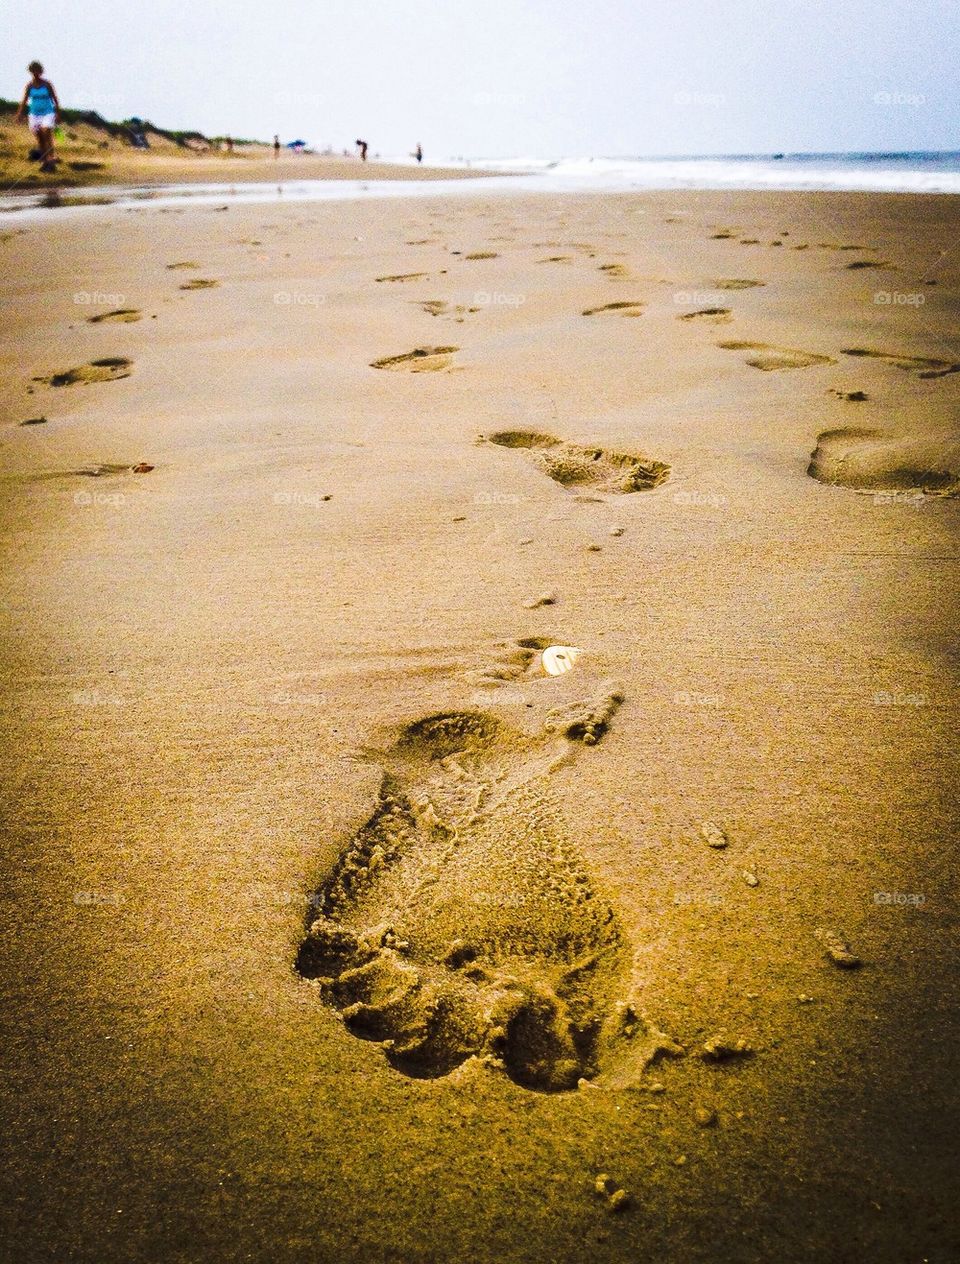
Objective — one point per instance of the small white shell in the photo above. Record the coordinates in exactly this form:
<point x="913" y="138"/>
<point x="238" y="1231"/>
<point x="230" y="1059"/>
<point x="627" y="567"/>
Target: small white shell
<point x="557" y="659"/>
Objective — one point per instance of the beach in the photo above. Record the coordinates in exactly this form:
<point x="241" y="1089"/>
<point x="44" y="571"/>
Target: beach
<point x="91" y="155"/>
<point x="296" y="497"/>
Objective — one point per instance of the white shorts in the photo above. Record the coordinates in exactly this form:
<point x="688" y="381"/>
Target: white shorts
<point x="42" y="122"/>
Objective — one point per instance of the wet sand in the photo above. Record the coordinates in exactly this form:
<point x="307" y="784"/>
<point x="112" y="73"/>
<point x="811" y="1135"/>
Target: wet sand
<point x="336" y="928"/>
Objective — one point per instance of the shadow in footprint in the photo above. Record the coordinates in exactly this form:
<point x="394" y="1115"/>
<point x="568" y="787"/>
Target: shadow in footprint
<point x="462" y="923"/>
<point x="576" y="466"/>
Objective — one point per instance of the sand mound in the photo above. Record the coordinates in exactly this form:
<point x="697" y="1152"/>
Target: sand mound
<point x="576" y="466"/>
<point x="870" y="460"/>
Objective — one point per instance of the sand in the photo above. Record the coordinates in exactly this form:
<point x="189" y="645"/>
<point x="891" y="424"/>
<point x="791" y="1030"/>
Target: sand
<point x="336" y="928"/>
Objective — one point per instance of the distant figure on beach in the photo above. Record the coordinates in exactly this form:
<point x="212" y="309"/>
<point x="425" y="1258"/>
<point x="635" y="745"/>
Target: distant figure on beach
<point x="276" y="146"/>
<point x="228" y="144"/>
<point x="363" y="147"/>
<point x="418" y="152"/>
<point x="40" y="102"/>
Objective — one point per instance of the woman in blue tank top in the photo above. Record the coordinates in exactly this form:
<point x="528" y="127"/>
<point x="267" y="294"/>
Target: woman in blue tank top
<point x="43" y="110"/>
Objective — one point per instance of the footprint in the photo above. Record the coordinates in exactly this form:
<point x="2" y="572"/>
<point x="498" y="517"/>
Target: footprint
<point x="923" y="366"/>
<point x="420" y="360"/>
<point x="199" y="283"/>
<point x="110" y="369"/>
<point x="734" y="283"/>
<point x="771" y="359"/>
<point x="869" y="460"/>
<point x="438" y="307"/>
<point x="98" y="470"/>
<point x="123" y="315"/>
<point x="871" y="263"/>
<point x="405" y="276"/>
<point x="715" y="315"/>
<point x="617" y="271"/>
<point x="482" y="254"/>
<point x="576" y="466"/>
<point x="557" y="259"/>
<point x="585" y="721"/>
<point x="461" y="921"/>
<point x="831" y="245"/>
<point x="850" y="397"/>
<point x="625" y="309"/>
<point x="514" y="660"/>
<point x="175" y="266"/>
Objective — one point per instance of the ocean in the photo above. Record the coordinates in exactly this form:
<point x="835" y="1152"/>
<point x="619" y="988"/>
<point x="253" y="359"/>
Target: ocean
<point x="866" y="172"/>
<point x="855" y="172"/>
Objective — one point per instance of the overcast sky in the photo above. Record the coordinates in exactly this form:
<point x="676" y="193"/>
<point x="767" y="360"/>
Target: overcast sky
<point x="545" y="78"/>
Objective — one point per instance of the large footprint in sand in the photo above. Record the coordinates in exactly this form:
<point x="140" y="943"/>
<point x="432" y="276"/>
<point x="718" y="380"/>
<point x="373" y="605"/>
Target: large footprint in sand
<point x="461" y="922"/>
<point x="576" y="466"/>
<point x="869" y="460"/>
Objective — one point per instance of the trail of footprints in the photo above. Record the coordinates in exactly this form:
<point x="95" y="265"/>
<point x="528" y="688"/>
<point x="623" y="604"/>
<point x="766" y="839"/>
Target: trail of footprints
<point x="462" y="923"/>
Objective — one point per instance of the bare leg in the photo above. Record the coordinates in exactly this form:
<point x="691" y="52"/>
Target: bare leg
<point x="45" y="141"/>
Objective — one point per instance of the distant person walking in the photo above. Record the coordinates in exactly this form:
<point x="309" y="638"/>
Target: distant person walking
<point x="363" y="147"/>
<point x="418" y="152"/>
<point x="276" y="147"/>
<point x="228" y="144"/>
<point x="43" y="113"/>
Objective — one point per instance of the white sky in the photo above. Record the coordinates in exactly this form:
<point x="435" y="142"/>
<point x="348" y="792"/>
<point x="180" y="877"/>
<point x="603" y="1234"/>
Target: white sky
<point x="544" y="78"/>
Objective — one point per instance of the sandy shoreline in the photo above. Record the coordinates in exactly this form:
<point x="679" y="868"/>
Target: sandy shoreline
<point x="210" y="667"/>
